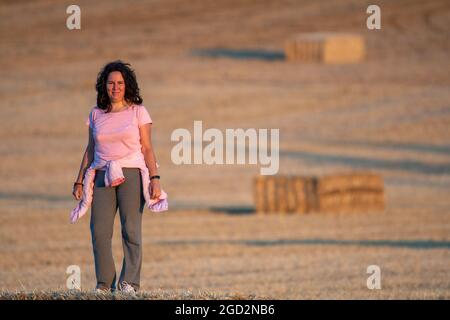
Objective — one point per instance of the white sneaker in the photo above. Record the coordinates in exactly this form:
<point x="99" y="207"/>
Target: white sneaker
<point x="125" y="287"/>
<point x="102" y="291"/>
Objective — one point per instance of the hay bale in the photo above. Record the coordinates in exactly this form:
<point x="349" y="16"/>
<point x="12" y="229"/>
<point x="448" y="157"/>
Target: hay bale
<point x="271" y="196"/>
<point x="349" y="182"/>
<point x="351" y="202"/>
<point x="285" y="194"/>
<point x="292" y="194"/>
<point x="281" y="188"/>
<point x="351" y="192"/>
<point x="306" y="50"/>
<point x="260" y="194"/>
<point x="335" y="193"/>
<point x="326" y="47"/>
<point x="312" y="203"/>
<point x="298" y="197"/>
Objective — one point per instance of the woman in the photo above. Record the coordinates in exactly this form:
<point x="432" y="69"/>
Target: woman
<point x="118" y="170"/>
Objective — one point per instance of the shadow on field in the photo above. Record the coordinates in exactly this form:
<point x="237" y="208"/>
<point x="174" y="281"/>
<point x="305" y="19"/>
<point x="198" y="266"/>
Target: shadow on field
<point x="389" y="145"/>
<point x="27" y="196"/>
<point x="370" y="163"/>
<point x="233" y="210"/>
<point x="241" y="54"/>
<point x="410" y="244"/>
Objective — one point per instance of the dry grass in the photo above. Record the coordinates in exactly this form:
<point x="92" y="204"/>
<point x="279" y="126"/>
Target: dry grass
<point x="389" y="114"/>
<point x="297" y="257"/>
<point x="153" y="295"/>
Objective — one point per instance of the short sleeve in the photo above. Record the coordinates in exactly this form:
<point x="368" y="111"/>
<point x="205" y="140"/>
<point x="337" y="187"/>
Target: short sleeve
<point x="90" y="119"/>
<point x="143" y="116"/>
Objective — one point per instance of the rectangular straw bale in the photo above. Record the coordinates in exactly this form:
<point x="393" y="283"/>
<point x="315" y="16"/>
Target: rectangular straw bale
<point x="348" y="182"/>
<point x="325" y="47"/>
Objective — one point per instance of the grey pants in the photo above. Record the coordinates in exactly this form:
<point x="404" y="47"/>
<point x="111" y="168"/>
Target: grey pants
<point x="129" y="198"/>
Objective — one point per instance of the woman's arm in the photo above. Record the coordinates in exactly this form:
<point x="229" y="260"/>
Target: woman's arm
<point x="145" y="132"/>
<point x="88" y="157"/>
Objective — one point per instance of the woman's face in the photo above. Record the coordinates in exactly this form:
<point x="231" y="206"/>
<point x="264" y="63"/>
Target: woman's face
<point x="115" y="85"/>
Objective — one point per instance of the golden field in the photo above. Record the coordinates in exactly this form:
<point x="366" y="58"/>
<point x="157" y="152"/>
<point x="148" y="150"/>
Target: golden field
<point x="221" y="62"/>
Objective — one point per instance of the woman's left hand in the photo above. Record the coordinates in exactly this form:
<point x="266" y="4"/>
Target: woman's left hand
<point x="155" y="188"/>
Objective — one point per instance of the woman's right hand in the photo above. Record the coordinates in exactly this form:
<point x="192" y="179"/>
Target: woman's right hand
<point x="77" y="191"/>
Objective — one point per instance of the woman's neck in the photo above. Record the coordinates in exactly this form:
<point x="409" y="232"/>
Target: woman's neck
<point x="117" y="106"/>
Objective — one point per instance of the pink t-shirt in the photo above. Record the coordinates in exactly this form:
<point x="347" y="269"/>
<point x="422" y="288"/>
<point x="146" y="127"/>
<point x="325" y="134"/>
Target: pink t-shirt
<point x="116" y="134"/>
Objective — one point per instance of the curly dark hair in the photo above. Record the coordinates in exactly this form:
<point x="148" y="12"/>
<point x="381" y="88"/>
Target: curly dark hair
<point x="131" y="85"/>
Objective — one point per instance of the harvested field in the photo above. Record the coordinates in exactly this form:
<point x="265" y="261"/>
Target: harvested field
<point x="223" y="62"/>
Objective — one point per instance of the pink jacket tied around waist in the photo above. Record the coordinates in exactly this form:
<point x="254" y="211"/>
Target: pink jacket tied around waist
<point x="114" y="177"/>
